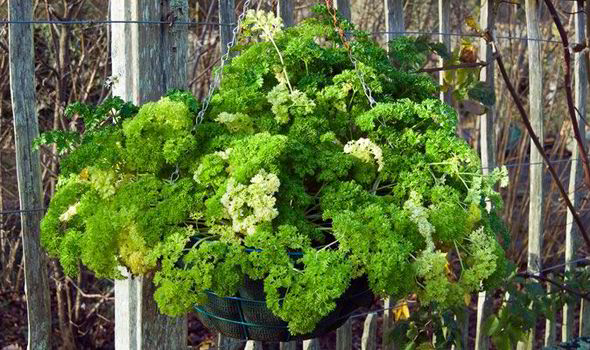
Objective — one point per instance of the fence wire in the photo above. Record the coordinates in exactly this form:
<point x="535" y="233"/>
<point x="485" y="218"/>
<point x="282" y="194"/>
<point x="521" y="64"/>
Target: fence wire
<point x="107" y="21"/>
<point x="507" y="165"/>
<point x="202" y="23"/>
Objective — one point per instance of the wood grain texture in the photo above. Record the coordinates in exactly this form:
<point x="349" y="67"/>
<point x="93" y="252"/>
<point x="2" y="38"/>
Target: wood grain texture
<point x="488" y="156"/>
<point x="585" y="316"/>
<point x="576" y="178"/>
<point x="536" y="188"/>
<point x="28" y="170"/>
<point x="536" y="115"/>
<point x="253" y="345"/>
<point x="344" y="336"/>
<point x="444" y="26"/>
<point x="292" y="345"/>
<point x="388" y="304"/>
<point x="394" y="19"/>
<point x="226" y="15"/>
<point x="227" y="343"/>
<point x="147" y="60"/>
<point x="369" y="337"/>
<point x="550" y="325"/>
<point x="311" y="344"/>
<point x="286" y="10"/>
<point x="343" y="6"/>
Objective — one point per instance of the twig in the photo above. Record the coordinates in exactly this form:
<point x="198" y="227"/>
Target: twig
<point x="457" y="66"/>
<point x="568" y="90"/>
<point x="527" y="123"/>
<point x="555" y="283"/>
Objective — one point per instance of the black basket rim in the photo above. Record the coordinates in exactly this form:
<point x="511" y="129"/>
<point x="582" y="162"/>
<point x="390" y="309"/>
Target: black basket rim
<point x="248" y="324"/>
<point x="210" y="292"/>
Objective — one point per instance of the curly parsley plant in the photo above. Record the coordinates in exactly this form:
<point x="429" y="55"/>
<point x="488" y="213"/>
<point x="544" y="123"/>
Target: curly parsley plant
<point x="290" y="157"/>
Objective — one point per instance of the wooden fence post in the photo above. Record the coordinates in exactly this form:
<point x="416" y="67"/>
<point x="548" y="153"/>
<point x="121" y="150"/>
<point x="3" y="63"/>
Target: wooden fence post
<point x="28" y="170"/>
<point x="344" y="336"/>
<point x="253" y="345"/>
<point x="488" y="154"/>
<point x="576" y="178"/>
<point x="369" y="337"/>
<point x="286" y="10"/>
<point x="292" y="345"/>
<point x="148" y="60"/>
<point x="537" y="190"/>
<point x="227" y="343"/>
<point x="444" y="26"/>
<point x="585" y="317"/>
<point x="343" y="6"/>
<point x="550" y="335"/>
<point x="394" y="19"/>
<point x="311" y="344"/>
<point x="227" y="16"/>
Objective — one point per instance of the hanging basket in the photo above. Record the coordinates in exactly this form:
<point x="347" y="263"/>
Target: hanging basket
<point x="246" y="316"/>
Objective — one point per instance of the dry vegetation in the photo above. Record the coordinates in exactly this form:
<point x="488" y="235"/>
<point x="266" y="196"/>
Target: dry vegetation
<point x="73" y="64"/>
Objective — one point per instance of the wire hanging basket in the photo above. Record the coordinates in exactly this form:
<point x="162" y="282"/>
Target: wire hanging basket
<point x="246" y="316"/>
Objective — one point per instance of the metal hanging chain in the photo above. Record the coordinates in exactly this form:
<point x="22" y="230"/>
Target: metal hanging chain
<point x="353" y="60"/>
<point x="224" y="58"/>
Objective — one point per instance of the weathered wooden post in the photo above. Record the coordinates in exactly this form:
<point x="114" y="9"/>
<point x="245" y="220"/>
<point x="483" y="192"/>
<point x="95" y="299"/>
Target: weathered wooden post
<point x="488" y="153"/>
<point x="286" y="10"/>
<point x="28" y="170"/>
<point x="444" y="26"/>
<point x="585" y="317"/>
<point x="369" y="337"/>
<point x="550" y="323"/>
<point x="147" y="61"/>
<point x="576" y="171"/>
<point x="343" y="6"/>
<point x="394" y="19"/>
<point x="537" y="190"/>
<point x="311" y="344"/>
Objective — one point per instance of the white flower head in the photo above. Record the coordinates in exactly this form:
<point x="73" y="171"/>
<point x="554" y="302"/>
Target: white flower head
<point x="224" y="154"/>
<point x="249" y="205"/>
<point x="68" y="214"/>
<point x="419" y="216"/>
<point x="365" y="150"/>
<point x="266" y="23"/>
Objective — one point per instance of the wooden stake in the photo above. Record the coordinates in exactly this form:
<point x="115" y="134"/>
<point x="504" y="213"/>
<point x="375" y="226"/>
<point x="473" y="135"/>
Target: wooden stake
<point x="488" y="156"/>
<point x="28" y="171"/>
<point x="148" y="60"/>
<point x="536" y="189"/>
<point x="576" y="178"/>
<point x="286" y="10"/>
<point x="369" y="338"/>
<point x="444" y="26"/>
<point x="394" y="21"/>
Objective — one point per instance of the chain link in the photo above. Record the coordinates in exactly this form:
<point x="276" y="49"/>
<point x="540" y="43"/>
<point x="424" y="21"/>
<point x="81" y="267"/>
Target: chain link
<point x="366" y="89"/>
<point x="224" y="58"/>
